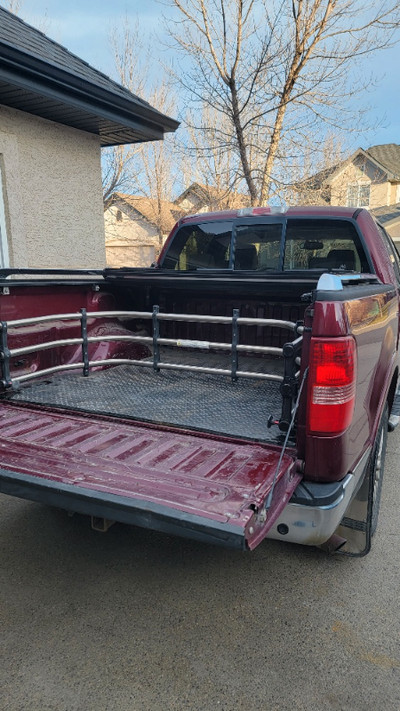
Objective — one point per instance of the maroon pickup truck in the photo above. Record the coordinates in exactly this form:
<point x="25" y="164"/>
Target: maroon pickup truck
<point x="240" y="388"/>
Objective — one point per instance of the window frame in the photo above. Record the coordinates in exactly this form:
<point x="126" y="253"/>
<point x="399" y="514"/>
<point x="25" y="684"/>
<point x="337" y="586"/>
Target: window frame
<point x="358" y="185"/>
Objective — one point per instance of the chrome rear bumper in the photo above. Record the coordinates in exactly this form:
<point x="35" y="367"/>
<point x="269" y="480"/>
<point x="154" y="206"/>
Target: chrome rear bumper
<point x="312" y="519"/>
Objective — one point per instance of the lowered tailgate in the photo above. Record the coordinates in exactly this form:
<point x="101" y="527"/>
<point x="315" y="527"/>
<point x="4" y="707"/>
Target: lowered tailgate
<point x="184" y="483"/>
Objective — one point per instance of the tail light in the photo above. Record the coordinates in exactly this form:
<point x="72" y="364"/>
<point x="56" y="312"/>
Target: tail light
<point x="332" y="385"/>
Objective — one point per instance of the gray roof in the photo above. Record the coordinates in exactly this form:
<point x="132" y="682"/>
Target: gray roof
<point x="40" y="76"/>
<point x="387" y="213"/>
<point x="388" y="155"/>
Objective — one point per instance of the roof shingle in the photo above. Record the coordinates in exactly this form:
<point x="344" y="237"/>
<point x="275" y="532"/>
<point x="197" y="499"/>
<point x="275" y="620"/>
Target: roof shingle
<point x="149" y="209"/>
<point x="388" y="155"/>
<point x="42" y="77"/>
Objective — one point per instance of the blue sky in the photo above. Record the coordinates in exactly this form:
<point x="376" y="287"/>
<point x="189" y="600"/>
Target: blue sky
<point x="83" y="26"/>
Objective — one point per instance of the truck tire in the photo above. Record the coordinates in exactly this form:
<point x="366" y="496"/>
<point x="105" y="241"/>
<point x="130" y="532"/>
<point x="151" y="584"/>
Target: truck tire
<point x="376" y="467"/>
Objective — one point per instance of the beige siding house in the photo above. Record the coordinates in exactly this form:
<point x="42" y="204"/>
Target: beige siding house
<point x="56" y="112"/>
<point x="207" y="198"/>
<point x="135" y="229"/>
<point x="369" y="178"/>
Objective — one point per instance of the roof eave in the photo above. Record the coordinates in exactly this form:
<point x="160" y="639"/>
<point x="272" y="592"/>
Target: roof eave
<point x="133" y="120"/>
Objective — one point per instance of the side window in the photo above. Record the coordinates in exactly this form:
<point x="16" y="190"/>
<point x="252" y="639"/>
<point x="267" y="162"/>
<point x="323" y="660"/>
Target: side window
<point x="323" y="244"/>
<point x="258" y="247"/>
<point x="203" y="246"/>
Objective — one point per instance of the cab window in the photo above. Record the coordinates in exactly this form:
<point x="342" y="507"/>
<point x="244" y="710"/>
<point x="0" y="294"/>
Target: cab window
<point x="203" y="246"/>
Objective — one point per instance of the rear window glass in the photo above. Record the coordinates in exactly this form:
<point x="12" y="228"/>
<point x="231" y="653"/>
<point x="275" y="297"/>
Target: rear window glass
<point x="258" y="246"/>
<point x="317" y="244"/>
<point x="325" y="245"/>
<point x="208" y="246"/>
<point x="203" y="246"/>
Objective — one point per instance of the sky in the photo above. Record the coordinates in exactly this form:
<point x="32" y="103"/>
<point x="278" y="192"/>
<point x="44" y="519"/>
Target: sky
<point x="83" y="27"/>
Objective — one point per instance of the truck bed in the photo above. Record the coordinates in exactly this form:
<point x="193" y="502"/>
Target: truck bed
<point x="192" y="400"/>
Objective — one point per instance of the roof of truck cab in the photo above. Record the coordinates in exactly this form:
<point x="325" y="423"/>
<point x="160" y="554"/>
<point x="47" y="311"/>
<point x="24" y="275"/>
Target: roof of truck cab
<point x="300" y="211"/>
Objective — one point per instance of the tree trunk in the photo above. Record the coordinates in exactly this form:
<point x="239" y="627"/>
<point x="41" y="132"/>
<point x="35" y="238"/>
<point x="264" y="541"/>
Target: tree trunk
<point x="241" y="144"/>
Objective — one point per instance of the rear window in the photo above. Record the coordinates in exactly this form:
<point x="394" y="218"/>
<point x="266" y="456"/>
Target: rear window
<point x="316" y="244"/>
<point x="325" y="245"/>
<point x="203" y="246"/>
<point x="258" y="246"/>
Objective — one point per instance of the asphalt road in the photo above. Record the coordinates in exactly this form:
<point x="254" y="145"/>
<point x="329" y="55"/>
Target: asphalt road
<point x="136" y="621"/>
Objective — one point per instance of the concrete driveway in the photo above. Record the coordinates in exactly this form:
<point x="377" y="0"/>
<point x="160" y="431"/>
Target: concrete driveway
<point x="132" y="620"/>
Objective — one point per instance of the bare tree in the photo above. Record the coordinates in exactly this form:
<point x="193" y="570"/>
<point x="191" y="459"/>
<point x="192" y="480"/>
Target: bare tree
<point x="120" y="171"/>
<point x="152" y="169"/>
<point x="276" y="71"/>
<point x="149" y="170"/>
<point x="131" y="62"/>
<point x="14" y="6"/>
<point x="309" y="176"/>
<point x="215" y="168"/>
<point x="160" y="164"/>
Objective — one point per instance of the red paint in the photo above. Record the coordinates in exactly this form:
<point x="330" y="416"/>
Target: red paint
<point x="215" y="478"/>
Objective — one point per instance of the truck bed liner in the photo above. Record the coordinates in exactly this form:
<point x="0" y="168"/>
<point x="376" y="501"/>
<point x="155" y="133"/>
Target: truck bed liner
<point x="200" y="486"/>
<point x="192" y="400"/>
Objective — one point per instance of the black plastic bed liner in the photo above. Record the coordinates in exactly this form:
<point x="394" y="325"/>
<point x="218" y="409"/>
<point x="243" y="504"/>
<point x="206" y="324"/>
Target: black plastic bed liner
<point x="210" y="403"/>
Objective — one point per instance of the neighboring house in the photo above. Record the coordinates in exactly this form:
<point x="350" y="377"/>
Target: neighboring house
<point x="56" y="112"/>
<point x="369" y="178"/>
<point x="389" y="217"/>
<point x="206" y="198"/>
<point x="136" y="228"/>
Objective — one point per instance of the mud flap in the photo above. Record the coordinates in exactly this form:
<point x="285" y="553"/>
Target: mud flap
<point x="359" y="524"/>
<point x="355" y="527"/>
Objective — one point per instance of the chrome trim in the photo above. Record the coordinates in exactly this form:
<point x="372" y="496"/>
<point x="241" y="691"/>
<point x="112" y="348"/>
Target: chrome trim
<point x="195" y="318"/>
<point x="313" y="525"/>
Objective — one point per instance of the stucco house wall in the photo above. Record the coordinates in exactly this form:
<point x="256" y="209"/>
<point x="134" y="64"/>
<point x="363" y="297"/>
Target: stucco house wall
<point x="56" y="113"/>
<point x="52" y="193"/>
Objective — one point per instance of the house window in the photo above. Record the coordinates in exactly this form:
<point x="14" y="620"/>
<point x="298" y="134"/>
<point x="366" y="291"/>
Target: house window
<point x="4" y="257"/>
<point x="358" y="194"/>
<point x="119" y="216"/>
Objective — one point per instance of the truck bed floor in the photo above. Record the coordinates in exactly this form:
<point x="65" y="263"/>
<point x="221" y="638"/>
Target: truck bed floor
<point x="200" y="401"/>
